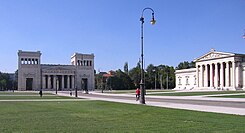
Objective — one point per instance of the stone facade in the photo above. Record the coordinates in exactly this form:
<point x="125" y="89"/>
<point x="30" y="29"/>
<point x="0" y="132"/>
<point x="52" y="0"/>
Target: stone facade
<point x="214" y="70"/>
<point x="32" y="75"/>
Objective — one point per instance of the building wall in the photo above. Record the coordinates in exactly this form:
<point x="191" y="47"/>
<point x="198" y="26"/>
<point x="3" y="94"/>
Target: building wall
<point x="52" y="77"/>
<point x="29" y="68"/>
<point x="185" y="79"/>
<point x="84" y="70"/>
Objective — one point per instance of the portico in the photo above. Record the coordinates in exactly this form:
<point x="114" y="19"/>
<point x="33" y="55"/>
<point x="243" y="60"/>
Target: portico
<point x="60" y="82"/>
<point x="219" y="70"/>
<point x="218" y="74"/>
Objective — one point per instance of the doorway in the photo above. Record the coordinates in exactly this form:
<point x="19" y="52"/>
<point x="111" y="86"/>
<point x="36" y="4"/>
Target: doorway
<point x="29" y="82"/>
<point x="85" y="84"/>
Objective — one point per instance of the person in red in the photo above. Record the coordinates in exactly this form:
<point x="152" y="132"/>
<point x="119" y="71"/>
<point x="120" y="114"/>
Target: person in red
<point x="137" y="94"/>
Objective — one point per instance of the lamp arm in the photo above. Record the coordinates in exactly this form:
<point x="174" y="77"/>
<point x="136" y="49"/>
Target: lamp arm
<point x="148" y="9"/>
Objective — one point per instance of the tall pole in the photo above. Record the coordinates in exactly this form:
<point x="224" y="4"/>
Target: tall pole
<point x="142" y="88"/>
<point x="161" y="80"/>
<point x="167" y="80"/>
<point x="75" y="82"/>
<point x="56" y="88"/>
<point x="155" y="81"/>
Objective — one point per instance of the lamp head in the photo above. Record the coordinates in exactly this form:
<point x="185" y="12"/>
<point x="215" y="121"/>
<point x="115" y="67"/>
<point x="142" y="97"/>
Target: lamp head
<point x="153" y="21"/>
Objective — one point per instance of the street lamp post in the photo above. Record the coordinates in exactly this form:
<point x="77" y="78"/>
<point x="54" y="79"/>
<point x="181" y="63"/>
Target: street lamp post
<point x="155" y="81"/>
<point x="154" y="71"/>
<point x="57" y="85"/>
<point x="76" y="91"/>
<point x="161" y="80"/>
<point x="142" y="89"/>
<point x="167" y="80"/>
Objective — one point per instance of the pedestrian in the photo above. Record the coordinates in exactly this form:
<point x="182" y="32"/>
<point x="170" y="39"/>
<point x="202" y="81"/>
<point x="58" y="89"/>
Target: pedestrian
<point x="41" y="93"/>
<point x="137" y="94"/>
<point x="70" y="93"/>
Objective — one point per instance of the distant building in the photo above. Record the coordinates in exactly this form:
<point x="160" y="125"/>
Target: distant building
<point x="109" y="74"/>
<point x="214" y="70"/>
<point x="32" y="75"/>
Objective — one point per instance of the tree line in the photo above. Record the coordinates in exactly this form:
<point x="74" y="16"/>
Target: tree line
<point x="156" y="77"/>
<point x="8" y="81"/>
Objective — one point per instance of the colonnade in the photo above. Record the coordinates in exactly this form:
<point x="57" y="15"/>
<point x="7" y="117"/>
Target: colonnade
<point x="84" y="62"/>
<point x="58" y="81"/>
<point x="29" y="61"/>
<point x="218" y="75"/>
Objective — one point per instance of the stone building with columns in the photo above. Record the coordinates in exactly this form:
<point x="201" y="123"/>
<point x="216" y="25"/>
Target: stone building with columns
<point x="32" y="75"/>
<point x="214" y="70"/>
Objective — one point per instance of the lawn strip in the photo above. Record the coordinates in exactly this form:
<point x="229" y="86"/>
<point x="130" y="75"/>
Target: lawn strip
<point x="98" y="116"/>
<point x="34" y="97"/>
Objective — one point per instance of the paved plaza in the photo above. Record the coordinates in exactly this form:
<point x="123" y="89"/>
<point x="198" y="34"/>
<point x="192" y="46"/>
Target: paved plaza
<point x="197" y="103"/>
<point x="203" y="103"/>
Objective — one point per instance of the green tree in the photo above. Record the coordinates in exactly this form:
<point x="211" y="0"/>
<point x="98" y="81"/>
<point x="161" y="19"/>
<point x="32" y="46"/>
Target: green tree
<point x="150" y="76"/>
<point x="120" y="81"/>
<point x="3" y="84"/>
<point x="134" y="74"/>
<point x="163" y="75"/>
<point x="126" y="68"/>
<point x="6" y="81"/>
<point x="185" y="65"/>
<point x="15" y="85"/>
<point x="99" y="81"/>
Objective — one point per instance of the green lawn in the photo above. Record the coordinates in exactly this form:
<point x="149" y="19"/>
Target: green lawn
<point x="98" y="116"/>
<point x="22" y="93"/>
<point x="197" y="93"/>
<point x="232" y="96"/>
<point x="33" y="97"/>
<point x="29" y="95"/>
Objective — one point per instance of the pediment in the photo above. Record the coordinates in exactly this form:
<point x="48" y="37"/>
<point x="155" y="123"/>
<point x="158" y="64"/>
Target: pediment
<point x="214" y="55"/>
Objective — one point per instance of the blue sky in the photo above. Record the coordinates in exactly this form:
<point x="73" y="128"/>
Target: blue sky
<point x="110" y="29"/>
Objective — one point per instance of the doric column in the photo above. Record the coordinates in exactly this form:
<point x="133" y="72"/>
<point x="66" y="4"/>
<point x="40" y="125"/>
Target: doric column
<point x="227" y="75"/>
<point x="211" y="78"/>
<point x="68" y="81"/>
<point x="197" y="75"/>
<point x="44" y="82"/>
<point x="201" y="76"/>
<point x="62" y="81"/>
<point x="73" y="81"/>
<point x="216" y="78"/>
<point x="221" y="75"/>
<point x="206" y="77"/>
<point x="238" y="74"/>
<point x="49" y="81"/>
<point x="54" y="81"/>
<point x="234" y="74"/>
